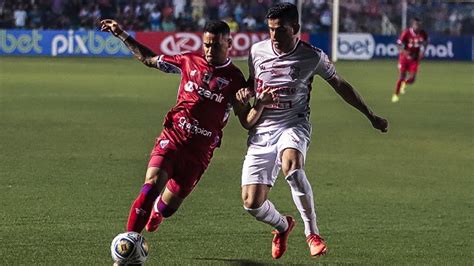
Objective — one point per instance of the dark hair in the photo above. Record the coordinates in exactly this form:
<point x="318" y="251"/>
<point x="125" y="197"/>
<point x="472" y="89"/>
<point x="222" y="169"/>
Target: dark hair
<point x="217" y="27"/>
<point x="417" y="19"/>
<point x="285" y="11"/>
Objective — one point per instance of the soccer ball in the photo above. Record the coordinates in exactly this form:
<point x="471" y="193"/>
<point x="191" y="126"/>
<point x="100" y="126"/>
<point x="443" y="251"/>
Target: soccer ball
<point x="129" y="248"/>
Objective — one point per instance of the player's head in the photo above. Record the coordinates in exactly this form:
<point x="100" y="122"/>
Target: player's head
<point x="216" y="42"/>
<point x="416" y="24"/>
<point x="282" y="20"/>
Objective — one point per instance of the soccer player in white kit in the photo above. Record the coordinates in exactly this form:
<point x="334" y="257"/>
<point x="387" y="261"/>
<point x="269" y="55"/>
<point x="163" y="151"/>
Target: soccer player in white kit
<point x="282" y="69"/>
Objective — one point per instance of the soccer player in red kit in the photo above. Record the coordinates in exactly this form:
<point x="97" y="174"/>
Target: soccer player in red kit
<point x="412" y="44"/>
<point x="192" y="128"/>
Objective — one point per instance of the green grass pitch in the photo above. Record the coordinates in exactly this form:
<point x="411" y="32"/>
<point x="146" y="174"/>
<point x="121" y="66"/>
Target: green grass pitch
<point x="75" y="135"/>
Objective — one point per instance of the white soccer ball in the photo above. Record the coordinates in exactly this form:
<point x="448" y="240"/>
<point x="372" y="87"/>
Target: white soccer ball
<point x="129" y="248"/>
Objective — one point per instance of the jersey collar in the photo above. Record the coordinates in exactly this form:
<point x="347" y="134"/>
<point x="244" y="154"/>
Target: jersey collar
<point x="286" y="54"/>
<point x="225" y="64"/>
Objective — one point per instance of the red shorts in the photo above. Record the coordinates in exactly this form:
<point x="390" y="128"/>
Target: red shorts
<point x="410" y="65"/>
<point x="184" y="166"/>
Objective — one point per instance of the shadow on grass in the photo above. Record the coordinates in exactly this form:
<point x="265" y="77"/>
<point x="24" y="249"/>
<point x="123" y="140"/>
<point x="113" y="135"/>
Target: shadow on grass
<point x="239" y="262"/>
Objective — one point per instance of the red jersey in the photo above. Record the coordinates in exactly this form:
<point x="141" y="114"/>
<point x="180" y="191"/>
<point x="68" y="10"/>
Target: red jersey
<point x="412" y="41"/>
<point x="204" y="102"/>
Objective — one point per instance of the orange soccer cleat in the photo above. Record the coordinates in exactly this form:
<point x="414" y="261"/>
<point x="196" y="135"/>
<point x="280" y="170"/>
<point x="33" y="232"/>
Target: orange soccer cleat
<point x="316" y="244"/>
<point x="280" y="239"/>
<point x="154" y="222"/>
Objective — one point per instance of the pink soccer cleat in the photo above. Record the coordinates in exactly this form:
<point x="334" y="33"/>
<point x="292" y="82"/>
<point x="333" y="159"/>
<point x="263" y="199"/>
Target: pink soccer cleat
<point x="316" y="244"/>
<point x="154" y="222"/>
<point x="280" y="239"/>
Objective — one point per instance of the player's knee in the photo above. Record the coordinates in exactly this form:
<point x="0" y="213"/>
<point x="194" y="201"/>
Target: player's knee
<point x="298" y="182"/>
<point x="155" y="176"/>
<point x="290" y="165"/>
<point x="251" y="203"/>
<point x="292" y="159"/>
<point x="151" y="179"/>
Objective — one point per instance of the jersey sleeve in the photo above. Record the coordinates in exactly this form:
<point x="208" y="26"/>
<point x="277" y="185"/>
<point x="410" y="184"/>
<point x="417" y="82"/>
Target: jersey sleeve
<point x="403" y="39"/>
<point x="325" y="68"/>
<point x="170" y="64"/>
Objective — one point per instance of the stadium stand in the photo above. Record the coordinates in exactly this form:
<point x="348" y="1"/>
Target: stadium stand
<point x="453" y="18"/>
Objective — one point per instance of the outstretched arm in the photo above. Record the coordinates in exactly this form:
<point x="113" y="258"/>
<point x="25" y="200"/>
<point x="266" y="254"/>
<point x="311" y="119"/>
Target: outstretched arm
<point x="350" y="95"/>
<point x="249" y="115"/>
<point x="141" y="52"/>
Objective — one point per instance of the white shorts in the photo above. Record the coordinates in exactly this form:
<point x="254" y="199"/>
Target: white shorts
<point x="263" y="160"/>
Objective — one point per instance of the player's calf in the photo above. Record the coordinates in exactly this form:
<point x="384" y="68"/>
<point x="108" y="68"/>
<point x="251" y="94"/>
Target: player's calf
<point x="141" y="208"/>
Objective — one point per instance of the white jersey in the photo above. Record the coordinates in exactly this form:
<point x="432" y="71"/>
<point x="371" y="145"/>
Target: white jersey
<point x="290" y="75"/>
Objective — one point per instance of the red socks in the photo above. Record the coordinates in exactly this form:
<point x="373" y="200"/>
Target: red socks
<point x="141" y="208"/>
<point x="397" y="88"/>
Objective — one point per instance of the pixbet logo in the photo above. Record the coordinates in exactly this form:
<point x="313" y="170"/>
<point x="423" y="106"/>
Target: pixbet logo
<point x="24" y="43"/>
<point x="86" y="43"/>
<point x="356" y="46"/>
<point x="191" y="86"/>
<point x="180" y="42"/>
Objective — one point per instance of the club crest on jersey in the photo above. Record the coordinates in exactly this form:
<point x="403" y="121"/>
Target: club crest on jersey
<point x="193" y="73"/>
<point x="164" y="142"/>
<point x="222" y="83"/>
<point x="206" y="77"/>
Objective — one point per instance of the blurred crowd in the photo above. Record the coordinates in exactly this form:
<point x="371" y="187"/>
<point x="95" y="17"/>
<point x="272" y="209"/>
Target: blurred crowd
<point x="374" y="16"/>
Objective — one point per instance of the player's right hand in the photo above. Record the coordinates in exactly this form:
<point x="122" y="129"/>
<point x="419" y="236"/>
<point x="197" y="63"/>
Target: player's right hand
<point x="111" y="26"/>
<point x="244" y="95"/>
<point x="380" y="123"/>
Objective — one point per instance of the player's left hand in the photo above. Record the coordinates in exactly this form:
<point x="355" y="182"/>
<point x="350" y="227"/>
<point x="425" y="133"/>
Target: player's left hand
<point x="111" y="26"/>
<point x="379" y="123"/>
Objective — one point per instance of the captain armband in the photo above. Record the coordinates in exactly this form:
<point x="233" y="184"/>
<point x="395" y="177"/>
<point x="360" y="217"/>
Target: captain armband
<point x="123" y="36"/>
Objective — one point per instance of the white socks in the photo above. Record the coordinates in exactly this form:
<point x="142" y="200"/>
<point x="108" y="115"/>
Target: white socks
<point x="303" y="198"/>
<point x="269" y="215"/>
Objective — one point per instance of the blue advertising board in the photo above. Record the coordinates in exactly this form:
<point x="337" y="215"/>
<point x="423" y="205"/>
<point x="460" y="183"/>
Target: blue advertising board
<point x="322" y="41"/>
<point x="352" y="46"/>
<point x="365" y="46"/>
<point x="61" y="43"/>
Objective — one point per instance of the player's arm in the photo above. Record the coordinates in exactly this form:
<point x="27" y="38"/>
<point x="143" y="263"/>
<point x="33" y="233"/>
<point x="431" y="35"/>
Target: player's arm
<point x="350" y="95"/>
<point x="402" y="44"/>
<point x="141" y="52"/>
<point x="249" y="115"/>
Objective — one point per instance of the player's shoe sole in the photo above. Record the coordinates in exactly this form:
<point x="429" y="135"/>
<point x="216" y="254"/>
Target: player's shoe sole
<point x="317" y="246"/>
<point x="154" y="222"/>
<point x="280" y="240"/>
<point x="395" y="98"/>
